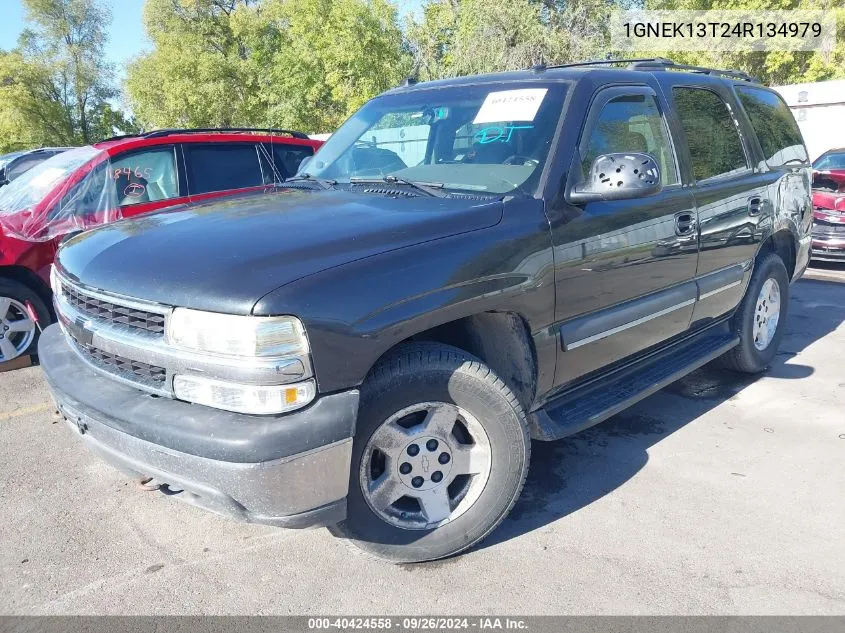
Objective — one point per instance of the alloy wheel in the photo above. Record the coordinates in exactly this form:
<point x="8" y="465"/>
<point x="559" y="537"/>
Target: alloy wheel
<point x="17" y="329"/>
<point x="766" y="314"/>
<point x="425" y="465"/>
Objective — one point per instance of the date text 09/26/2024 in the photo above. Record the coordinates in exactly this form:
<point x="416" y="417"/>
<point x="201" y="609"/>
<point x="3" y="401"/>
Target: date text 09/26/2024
<point x="417" y="623"/>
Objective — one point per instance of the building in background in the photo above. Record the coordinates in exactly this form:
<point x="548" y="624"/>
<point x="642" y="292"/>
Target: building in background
<point x="819" y="109"/>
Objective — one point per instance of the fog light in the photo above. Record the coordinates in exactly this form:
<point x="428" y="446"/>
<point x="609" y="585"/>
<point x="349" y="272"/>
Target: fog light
<point x="252" y="399"/>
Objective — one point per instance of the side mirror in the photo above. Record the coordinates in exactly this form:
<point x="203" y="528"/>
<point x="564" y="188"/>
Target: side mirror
<point x="619" y="176"/>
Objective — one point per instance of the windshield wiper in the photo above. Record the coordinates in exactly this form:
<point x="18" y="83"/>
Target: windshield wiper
<point x="324" y="183"/>
<point x="433" y="189"/>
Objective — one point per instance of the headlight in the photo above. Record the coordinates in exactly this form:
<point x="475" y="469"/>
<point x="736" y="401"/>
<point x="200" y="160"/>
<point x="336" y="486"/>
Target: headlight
<point x="55" y="284"/>
<point x="245" y="336"/>
<point x="251" y="399"/>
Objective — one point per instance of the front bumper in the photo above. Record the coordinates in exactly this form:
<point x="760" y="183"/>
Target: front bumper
<point x="288" y="470"/>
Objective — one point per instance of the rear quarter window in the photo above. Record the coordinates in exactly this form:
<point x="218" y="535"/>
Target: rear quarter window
<point x="285" y="160"/>
<point x="776" y="129"/>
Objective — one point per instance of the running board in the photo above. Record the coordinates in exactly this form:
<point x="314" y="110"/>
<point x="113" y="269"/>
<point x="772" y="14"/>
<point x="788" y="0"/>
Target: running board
<point x="598" y="400"/>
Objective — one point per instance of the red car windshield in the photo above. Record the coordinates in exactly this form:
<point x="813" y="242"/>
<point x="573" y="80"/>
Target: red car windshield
<point x="23" y="202"/>
<point x="31" y="187"/>
<point x="830" y="161"/>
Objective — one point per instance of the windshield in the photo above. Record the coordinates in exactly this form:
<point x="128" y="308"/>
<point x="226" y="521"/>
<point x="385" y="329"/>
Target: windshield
<point x="32" y="186"/>
<point x="830" y="161"/>
<point x="5" y="159"/>
<point x="491" y="139"/>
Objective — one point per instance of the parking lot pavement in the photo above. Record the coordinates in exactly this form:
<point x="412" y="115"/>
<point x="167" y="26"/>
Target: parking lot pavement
<point x="720" y="494"/>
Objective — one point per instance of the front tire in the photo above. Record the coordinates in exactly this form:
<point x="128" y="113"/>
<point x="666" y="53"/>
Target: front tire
<point x="439" y="458"/>
<point x="759" y="322"/>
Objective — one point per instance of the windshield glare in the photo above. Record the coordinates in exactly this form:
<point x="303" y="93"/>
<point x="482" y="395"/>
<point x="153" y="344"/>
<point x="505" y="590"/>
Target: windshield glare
<point x="491" y="139"/>
<point x="32" y="186"/>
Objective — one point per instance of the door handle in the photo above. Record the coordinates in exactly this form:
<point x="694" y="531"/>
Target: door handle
<point x="685" y="224"/>
<point x="755" y="205"/>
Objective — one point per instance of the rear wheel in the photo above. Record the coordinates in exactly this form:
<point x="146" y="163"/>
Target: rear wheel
<point x="439" y="459"/>
<point x="18" y="332"/>
<point x="759" y="322"/>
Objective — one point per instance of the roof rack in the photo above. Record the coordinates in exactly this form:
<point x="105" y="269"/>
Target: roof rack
<point x="660" y="63"/>
<point x="205" y="130"/>
<point x="655" y="63"/>
<point x="169" y="131"/>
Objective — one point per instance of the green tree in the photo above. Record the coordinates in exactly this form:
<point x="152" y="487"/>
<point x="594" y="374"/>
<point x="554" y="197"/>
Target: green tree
<point x="770" y="67"/>
<point x="459" y="37"/>
<point x="305" y="64"/>
<point x="55" y="87"/>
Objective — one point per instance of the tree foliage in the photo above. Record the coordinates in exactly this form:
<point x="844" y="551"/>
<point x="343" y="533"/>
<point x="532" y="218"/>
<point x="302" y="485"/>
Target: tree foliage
<point x="459" y="37"/>
<point x="775" y="67"/>
<point x="305" y="64"/>
<point x="55" y="88"/>
<point x="308" y="64"/>
<point x="456" y="37"/>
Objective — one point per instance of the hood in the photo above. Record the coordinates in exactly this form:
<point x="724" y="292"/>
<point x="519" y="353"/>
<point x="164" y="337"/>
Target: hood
<point x="829" y="201"/>
<point x="226" y="255"/>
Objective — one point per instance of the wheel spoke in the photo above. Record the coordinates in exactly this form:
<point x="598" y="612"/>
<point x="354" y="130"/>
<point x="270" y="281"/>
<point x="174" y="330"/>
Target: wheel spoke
<point x="21" y="325"/>
<point x="435" y="504"/>
<point x="7" y="349"/>
<point x="5" y="302"/>
<point x="470" y="460"/>
<point x="390" y="438"/>
<point x="441" y="419"/>
<point x="385" y="491"/>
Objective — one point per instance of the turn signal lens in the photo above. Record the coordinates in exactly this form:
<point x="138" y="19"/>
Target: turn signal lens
<point x="250" y="399"/>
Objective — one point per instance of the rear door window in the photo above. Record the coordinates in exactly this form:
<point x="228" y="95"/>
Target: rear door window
<point x="714" y="142"/>
<point x="222" y="166"/>
<point x="145" y="176"/>
<point x="776" y="129"/>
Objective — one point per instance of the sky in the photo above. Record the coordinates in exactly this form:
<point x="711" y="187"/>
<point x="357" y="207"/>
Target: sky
<point x="126" y="32"/>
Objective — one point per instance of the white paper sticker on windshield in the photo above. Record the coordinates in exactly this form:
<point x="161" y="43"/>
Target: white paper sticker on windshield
<point x="511" y="105"/>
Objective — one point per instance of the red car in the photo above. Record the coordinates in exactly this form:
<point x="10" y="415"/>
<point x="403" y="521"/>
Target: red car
<point x="117" y="178"/>
<point x="829" y="206"/>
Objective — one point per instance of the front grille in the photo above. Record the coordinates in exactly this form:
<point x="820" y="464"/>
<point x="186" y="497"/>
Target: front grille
<point x="112" y="312"/>
<point x="125" y="365"/>
<point x="822" y="229"/>
<point x="127" y="368"/>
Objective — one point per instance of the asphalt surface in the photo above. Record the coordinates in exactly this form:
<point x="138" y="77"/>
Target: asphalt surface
<point x="721" y="494"/>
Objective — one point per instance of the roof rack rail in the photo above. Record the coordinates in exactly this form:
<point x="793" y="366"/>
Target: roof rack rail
<point x="660" y="63"/>
<point x="119" y="137"/>
<point x="652" y="64"/>
<point x="169" y="131"/>
<point x="594" y="62"/>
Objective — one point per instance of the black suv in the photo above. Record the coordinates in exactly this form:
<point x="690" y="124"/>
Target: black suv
<point x="464" y="266"/>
